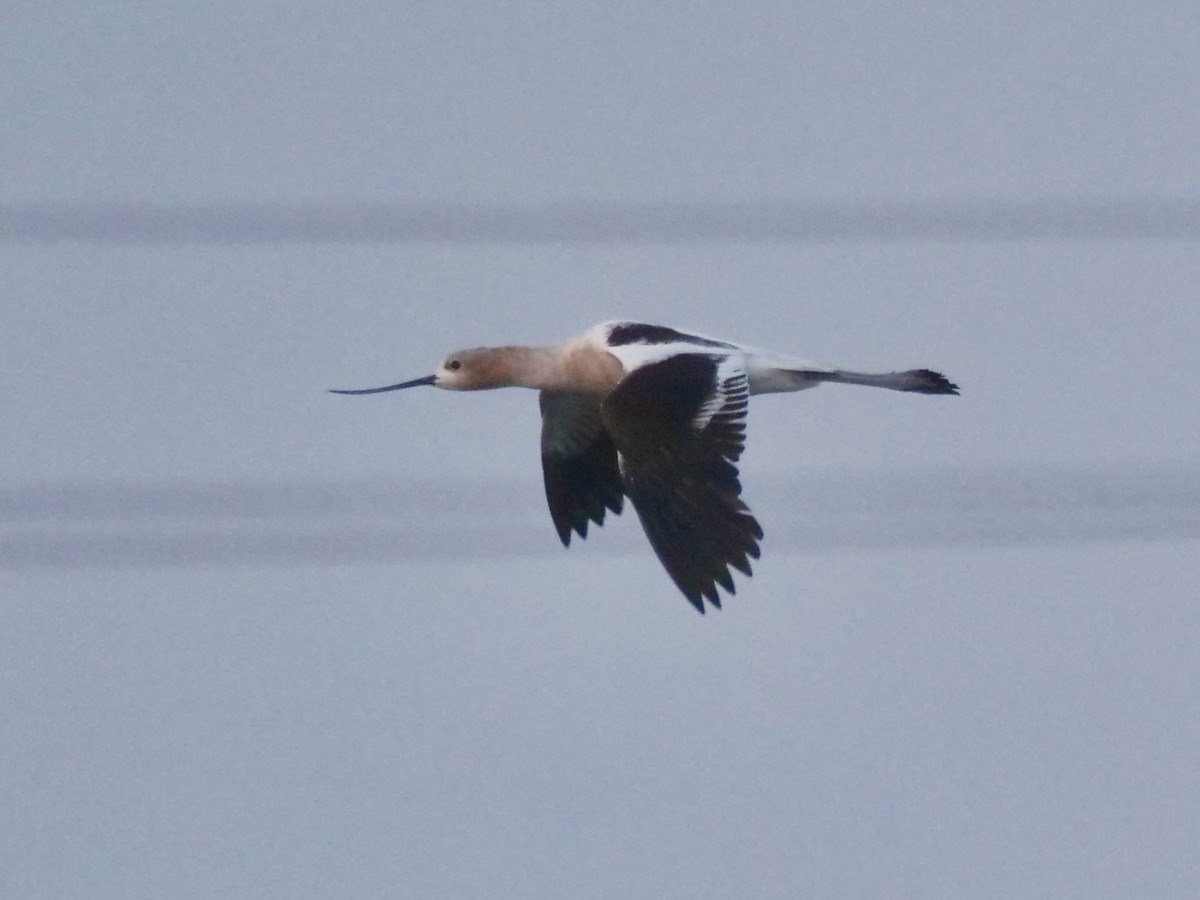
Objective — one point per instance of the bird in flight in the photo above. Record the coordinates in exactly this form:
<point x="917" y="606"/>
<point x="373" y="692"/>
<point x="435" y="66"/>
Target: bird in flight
<point x="657" y="415"/>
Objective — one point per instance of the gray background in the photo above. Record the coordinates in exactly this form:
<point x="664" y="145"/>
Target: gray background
<point x="260" y="641"/>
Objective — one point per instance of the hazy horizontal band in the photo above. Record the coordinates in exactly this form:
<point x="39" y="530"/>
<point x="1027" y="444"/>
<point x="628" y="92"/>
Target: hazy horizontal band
<point x="1062" y="218"/>
<point x="327" y="523"/>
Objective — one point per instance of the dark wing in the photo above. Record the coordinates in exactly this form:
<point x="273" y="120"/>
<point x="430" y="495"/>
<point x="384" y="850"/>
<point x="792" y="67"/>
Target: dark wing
<point x="579" y="463"/>
<point x="679" y="426"/>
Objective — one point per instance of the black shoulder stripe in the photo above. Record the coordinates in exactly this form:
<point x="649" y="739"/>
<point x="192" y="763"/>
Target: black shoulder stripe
<point x="641" y="333"/>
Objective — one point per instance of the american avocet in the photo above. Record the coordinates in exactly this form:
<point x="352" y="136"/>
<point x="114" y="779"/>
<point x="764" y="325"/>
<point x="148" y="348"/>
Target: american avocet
<point x="659" y="415"/>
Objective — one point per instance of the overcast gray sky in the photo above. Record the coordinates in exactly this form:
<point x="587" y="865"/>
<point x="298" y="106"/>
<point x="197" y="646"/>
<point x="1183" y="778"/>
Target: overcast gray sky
<point x="258" y="640"/>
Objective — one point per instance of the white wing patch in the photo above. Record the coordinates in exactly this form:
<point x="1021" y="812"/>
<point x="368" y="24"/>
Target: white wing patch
<point x="730" y="393"/>
<point x="635" y="356"/>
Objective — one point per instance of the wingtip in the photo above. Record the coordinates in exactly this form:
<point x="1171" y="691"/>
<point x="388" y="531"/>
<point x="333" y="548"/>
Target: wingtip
<point x="742" y="564"/>
<point x="931" y="382"/>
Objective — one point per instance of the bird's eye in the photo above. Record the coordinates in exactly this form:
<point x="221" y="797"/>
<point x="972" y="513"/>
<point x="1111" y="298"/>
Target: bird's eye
<point x="453" y="365"/>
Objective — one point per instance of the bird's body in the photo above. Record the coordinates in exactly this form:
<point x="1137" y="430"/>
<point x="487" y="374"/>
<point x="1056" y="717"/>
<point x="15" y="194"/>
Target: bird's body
<point x="657" y="415"/>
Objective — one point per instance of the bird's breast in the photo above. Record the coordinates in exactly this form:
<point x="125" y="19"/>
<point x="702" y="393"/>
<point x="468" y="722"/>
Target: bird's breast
<point x="592" y="371"/>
